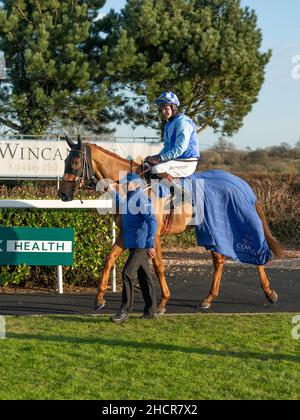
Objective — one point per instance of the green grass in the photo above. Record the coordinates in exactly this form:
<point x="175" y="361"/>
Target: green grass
<point x="191" y="357"/>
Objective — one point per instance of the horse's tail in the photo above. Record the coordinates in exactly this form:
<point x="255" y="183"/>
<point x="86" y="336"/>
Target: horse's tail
<point x="274" y="244"/>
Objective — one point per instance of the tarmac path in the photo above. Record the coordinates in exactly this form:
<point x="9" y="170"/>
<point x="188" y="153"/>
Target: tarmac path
<point x="189" y="276"/>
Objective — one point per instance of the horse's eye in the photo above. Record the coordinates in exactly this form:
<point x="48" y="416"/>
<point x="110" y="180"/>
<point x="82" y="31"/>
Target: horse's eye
<point x="76" y="164"/>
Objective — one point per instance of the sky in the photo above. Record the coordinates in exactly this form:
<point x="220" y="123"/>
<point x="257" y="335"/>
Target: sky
<point x="276" y="117"/>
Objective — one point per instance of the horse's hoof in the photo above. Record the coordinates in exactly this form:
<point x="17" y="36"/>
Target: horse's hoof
<point x="99" y="305"/>
<point x="162" y="311"/>
<point x="273" y="297"/>
<point x="205" y="304"/>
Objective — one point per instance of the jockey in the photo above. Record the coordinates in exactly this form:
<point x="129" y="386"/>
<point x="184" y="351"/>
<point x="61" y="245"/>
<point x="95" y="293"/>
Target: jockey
<point x="180" y="155"/>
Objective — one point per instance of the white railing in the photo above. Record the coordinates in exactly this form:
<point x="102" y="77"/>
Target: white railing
<point x="91" y="139"/>
<point x="105" y="205"/>
<point x="102" y="206"/>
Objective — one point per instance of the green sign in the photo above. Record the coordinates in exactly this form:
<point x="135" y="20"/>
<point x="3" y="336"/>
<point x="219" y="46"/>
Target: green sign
<point x="36" y="246"/>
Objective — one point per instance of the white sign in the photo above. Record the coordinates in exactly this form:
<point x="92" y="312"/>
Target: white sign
<point x="45" y="159"/>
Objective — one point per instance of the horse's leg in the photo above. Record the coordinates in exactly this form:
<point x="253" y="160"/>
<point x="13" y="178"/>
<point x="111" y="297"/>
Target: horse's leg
<point x="218" y="261"/>
<point x="114" y="254"/>
<point x="271" y="295"/>
<point x="160" y="272"/>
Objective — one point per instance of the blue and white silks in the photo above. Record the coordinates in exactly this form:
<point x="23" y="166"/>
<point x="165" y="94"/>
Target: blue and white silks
<point x="180" y="139"/>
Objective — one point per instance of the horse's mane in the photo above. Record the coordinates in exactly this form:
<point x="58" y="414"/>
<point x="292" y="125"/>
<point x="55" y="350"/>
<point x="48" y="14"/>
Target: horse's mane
<point x="108" y="152"/>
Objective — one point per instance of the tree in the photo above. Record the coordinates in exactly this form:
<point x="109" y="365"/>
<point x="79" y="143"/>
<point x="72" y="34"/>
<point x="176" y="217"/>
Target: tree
<point x="259" y="157"/>
<point x="207" y="51"/>
<point x="49" y="73"/>
<point x="73" y="130"/>
<point x="224" y="145"/>
<point x="285" y="146"/>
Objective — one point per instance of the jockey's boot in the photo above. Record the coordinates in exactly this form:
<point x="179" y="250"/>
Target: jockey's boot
<point x="179" y="194"/>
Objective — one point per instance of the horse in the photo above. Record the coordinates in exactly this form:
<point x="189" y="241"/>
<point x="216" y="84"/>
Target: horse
<point x="92" y="163"/>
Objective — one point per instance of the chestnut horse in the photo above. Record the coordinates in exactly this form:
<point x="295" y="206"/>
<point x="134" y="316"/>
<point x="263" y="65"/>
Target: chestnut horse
<point x="91" y="161"/>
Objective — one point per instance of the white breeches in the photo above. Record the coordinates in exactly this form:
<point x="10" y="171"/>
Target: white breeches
<point x="176" y="168"/>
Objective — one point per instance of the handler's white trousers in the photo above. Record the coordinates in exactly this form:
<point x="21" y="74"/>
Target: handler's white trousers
<point x="176" y="168"/>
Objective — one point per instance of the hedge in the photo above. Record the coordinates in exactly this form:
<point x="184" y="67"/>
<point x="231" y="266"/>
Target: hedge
<point x="92" y="244"/>
<point x="92" y="239"/>
<point x="279" y="196"/>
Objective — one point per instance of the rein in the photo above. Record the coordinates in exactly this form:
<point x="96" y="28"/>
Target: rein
<point x="90" y="173"/>
<point x="87" y="176"/>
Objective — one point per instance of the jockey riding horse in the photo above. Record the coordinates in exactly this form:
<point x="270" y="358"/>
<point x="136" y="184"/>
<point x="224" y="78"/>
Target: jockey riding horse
<point x="180" y="155"/>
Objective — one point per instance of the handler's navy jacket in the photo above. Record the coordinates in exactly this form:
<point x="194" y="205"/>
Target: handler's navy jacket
<point x="139" y="224"/>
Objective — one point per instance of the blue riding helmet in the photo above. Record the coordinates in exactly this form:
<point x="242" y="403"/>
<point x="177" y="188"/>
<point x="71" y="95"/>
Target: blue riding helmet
<point x="167" y="98"/>
<point x="130" y="178"/>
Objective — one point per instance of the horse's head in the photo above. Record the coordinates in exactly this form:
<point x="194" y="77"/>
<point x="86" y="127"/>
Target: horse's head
<point x="74" y="171"/>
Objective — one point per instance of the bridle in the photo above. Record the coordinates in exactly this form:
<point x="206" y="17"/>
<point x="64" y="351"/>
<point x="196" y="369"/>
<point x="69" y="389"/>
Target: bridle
<point x="88" y="177"/>
<point x="85" y="175"/>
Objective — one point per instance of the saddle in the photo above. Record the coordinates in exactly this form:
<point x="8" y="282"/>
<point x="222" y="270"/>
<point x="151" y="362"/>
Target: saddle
<point x="178" y="196"/>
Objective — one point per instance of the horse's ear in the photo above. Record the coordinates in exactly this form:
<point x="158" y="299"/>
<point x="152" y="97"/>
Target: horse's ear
<point x="80" y="143"/>
<point x="70" y="142"/>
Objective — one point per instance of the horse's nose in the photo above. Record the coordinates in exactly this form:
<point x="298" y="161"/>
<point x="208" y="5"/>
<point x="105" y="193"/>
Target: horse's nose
<point x="63" y="196"/>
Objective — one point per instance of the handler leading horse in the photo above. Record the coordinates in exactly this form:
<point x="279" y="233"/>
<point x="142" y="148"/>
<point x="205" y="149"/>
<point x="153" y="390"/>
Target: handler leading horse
<point x="91" y="163"/>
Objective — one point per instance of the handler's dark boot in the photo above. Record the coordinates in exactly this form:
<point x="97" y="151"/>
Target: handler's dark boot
<point x="120" y="317"/>
<point x="146" y="317"/>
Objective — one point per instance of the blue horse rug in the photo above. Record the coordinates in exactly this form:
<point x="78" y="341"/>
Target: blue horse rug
<point x="225" y="217"/>
<point x="230" y="224"/>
